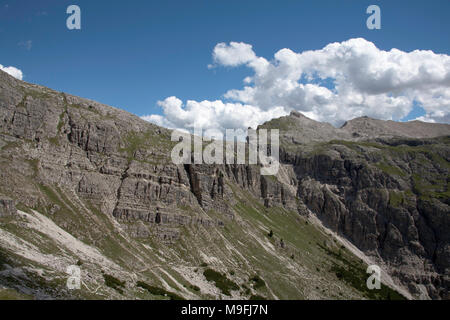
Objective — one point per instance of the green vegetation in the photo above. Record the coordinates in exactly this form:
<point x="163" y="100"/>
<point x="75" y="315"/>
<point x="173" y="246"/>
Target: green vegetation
<point x="50" y="194"/>
<point x="11" y="294"/>
<point x="114" y="283"/>
<point x="61" y="121"/>
<point x="391" y="170"/>
<point x="156" y="291"/>
<point x="354" y="274"/>
<point x="34" y="164"/>
<point x="437" y="187"/>
<point x="194" y="287"/>
<point x="54" y="141"/>
<point x="357" y="278"/>
<point x="283" y="124"/>
<point x="75" y="105"/>
<point x="222" y="282"/>
<point x="246" y="290"/>
<point x="257" y="282"/>
<point x="37" y="93"/>
<point x="396" y="199"/>
<point x="356" y="145"/>
<point x="431" y="167"/>
<point x="136" y="141"/>
<point x="76" y="221"/>
<point x="299" y="238"/>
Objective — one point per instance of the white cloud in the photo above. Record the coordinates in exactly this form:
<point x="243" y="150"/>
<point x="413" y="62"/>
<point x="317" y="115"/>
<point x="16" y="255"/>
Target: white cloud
<point x="234" y="54"/>
<point x="13" y="71"/>
<point x="211" y="115"/>
<point x="334" y="84"/>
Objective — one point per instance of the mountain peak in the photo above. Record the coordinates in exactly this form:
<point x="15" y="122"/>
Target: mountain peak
<point x="370" y="128"/>
<point x="297" y="114"/>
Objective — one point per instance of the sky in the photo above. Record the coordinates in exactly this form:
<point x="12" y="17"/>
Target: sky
<point x="235" y="64"/>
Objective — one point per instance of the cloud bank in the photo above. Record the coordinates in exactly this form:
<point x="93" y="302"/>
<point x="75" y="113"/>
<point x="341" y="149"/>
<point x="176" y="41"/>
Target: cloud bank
<point x="342" y="81"/>
<point x="13" y="71"/>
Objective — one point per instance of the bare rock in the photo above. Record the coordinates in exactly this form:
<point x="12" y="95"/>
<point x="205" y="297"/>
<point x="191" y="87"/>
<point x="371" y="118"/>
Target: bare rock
<point x="7" y="207"/>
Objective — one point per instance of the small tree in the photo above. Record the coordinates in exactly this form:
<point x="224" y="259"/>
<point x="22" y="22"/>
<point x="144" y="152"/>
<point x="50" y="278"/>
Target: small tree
<point x="270" y="234"/>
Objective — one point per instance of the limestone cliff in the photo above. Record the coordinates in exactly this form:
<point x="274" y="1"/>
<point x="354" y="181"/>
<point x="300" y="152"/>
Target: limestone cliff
<point x="94" y="186"/>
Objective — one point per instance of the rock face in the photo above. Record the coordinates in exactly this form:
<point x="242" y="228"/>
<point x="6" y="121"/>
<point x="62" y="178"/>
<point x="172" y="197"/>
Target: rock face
<point x="387" y="193"/>
<point x="399" y="222"/>
<point x="7" y="207"/>
<point x="95" y="169"/>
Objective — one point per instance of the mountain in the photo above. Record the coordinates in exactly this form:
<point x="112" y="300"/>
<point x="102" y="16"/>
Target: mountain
<point x="298" y="129"/>
<point x="367" y="128"/>
<point x="92" y="186"/>
<point x="386" y="192"/>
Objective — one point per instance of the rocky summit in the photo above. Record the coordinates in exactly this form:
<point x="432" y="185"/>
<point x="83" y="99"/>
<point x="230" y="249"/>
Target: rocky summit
<point x="88" y="187"/>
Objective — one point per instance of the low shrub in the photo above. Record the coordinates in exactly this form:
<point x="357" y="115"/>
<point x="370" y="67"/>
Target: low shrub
<point x="195" y="288"/>
<point x="114" y="283"/>
<point x="156" y="291"/>
<point x="257" y="282"/>
<point x="222" y="282"/>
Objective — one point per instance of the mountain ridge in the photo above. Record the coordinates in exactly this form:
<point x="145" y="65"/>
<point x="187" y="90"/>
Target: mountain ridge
<point x="105" y="178"/>
<point x="303" y="130"/>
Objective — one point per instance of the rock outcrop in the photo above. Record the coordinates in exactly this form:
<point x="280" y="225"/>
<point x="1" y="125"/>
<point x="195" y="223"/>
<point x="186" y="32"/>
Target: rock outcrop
<point x="7" y="207"/>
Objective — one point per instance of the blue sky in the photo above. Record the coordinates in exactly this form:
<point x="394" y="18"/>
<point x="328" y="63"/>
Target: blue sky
<point x="131" y="54"/>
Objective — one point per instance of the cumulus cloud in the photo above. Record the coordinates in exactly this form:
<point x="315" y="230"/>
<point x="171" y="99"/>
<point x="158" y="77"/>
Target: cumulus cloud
<point x="13" y="71"/>
<point x="211" y="115"/>
<point x="234" y="54"/>
<point x="339" y="82"/>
